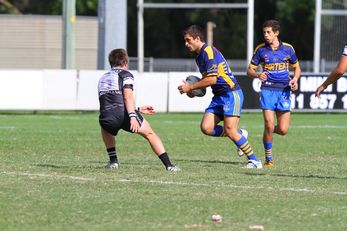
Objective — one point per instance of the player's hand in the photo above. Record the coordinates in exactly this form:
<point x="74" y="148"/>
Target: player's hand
<point x="319" y="90"/>
<point x="190" y="94"/>
<point x="293" y="84"/>
<point x="134" y="125"/>
<point x="147" y="110"/>
<point x="184" y="88"/>
<point x="263" y="76"/>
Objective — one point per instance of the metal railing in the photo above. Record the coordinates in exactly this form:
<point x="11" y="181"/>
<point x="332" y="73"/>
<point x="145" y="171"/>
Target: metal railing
<point x="188" y="65"/>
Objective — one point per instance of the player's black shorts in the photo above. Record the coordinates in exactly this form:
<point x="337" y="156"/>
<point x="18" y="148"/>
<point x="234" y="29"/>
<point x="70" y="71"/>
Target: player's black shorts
<point x="114" y="120"/>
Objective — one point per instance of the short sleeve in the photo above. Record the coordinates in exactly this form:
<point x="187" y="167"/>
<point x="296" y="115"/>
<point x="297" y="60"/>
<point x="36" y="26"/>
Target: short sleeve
<point x="128" y="79"/>
<point x="293" y="59"/>
<point x="255" y="59"/>
<point x="344" y="52"/>
<point x="209" y="57"/>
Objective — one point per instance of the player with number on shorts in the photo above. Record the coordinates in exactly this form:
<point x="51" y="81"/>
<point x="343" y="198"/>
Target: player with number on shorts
<point x="275" y="57"/>
<point x="227" y="101"/>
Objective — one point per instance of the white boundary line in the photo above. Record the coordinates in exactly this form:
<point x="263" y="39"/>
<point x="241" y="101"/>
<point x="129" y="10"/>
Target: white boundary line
<point x="48" y="176"/>
<point x="158" y="182"/>
<point x="322" y="126"/>
<point x="7" y="127"/>
<point x="306" y="190"/>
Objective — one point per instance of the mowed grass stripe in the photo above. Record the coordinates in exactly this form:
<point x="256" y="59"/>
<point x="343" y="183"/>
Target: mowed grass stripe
<point x="148" y="181"/>
<point x="53" y="177"/>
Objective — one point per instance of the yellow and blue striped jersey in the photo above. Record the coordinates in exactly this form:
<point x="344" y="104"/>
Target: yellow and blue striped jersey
<point x="276" y="62"/>
<point x="211" y="62"/>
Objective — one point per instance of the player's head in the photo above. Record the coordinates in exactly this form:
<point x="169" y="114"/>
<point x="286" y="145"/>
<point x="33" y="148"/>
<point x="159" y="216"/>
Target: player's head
<point x="118" y="58"/>
<point x="271" y="30"/>
<point x="194" y="38"/>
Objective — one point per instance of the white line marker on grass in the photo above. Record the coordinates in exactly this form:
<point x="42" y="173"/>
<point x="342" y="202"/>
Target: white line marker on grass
<point x="305" y="190"/>
<point x="50" y="176"/>
<point x="7" y="127"/>
<point x="159" y="182"/>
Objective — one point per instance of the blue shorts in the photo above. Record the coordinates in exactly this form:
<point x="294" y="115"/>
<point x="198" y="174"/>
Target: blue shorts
<point x="275" y="100"/>
<point x="228" y="104"/>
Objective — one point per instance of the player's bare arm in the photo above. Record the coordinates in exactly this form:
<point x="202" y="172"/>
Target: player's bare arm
<point x="130" y="106"/>
<point x="251" y="72"/>
<point x="294" y="81"/>
<point x="335" y="74"/>
<point x="206" y="81"/>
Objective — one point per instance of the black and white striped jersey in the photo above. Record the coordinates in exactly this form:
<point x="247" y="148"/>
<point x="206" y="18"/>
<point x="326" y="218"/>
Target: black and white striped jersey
<point x="110" y="88"/>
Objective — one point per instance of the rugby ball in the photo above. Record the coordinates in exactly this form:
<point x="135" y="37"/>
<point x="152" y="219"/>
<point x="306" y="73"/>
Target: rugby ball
<point x="196" y="92"/>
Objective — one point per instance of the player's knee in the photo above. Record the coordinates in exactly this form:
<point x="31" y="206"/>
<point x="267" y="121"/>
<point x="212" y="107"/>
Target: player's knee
<point x="147" y="134"/>
<point x="282" y="131"/>
<point x="206" y="130"/>
<point x="269" y="127"/>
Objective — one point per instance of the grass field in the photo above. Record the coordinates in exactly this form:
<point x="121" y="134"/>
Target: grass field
<point x="52" y="176"/>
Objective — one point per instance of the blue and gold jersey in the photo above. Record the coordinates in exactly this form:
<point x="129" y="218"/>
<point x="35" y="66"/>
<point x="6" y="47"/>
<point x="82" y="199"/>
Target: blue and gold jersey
<point x="276" y="62"/>
<point x="211" y="62"/>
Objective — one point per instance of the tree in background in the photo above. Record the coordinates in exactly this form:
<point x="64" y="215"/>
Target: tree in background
<point x="47" y="7"/>
<point x="163" y="30"/>
<point x="297" y="23"/>
<point x="163" y="27"/>
<point x="297" y="20"/>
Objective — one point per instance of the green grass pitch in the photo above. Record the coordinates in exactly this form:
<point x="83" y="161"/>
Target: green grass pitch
<point x="52" y="176"/>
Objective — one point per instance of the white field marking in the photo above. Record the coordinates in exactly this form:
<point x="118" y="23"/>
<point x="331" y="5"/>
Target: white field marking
<point x="159" y="182"/>
<point x="305" y="190"/>
<point x="48" y="175"/>
<point x="322" y="126"/>
<point x="181" y="122"/>
<point x="7" y="127"/>
<point x="64" y="117"/>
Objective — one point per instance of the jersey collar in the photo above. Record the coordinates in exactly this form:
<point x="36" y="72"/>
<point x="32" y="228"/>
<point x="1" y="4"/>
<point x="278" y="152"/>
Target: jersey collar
<point x="201" y="50"/>
<point x="270" y="48"/>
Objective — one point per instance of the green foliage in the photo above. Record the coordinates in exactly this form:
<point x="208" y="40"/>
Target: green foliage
<point x="51" y="7"/>
<point x="87" y="7"/>
<point x="52" y="176"/>
<point x="297" y="17"/>
<point x="163" y="27"/>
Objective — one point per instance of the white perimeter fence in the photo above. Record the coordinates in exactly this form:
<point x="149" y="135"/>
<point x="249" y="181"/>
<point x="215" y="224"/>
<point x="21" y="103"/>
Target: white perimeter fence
<point x="77" y="90"/>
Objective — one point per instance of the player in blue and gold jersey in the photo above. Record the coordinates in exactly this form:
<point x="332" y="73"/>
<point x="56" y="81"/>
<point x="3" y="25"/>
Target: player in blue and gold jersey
<point x="275" y="57"/>
<point x="227" y="101"/>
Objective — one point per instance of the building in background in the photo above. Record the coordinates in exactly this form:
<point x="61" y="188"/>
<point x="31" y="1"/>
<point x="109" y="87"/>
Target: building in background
<point x="35" y="42"/>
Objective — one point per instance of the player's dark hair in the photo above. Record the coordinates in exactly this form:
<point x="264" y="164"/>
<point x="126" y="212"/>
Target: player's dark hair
<point x="118" y="57"/>
<point x="195" y="31"/>
<point x="274" y="24"/>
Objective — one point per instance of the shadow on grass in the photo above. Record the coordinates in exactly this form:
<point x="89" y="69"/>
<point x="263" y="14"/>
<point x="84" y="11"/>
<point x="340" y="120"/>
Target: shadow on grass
<point x="126" y="162"/>
<point x="295" y="176"/>
<point x="211" y="161"/>
<point x="101" y="164"/>
<point x="50" y="166"/>
<point x="69" y="167"/>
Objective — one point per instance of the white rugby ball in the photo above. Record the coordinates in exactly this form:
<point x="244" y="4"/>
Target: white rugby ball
<point x="197" y="92"/>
